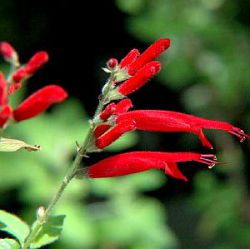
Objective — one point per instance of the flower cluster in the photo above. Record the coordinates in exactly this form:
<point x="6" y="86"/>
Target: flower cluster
<point x="129" y="75"/>
<point x="34" y="104"/>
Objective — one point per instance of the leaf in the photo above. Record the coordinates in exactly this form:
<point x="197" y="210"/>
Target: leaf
<point x="13" y="225"/>
<point x="11" y="145"/>
<point x="9" y="244"/>
<point x="50" y="232"/>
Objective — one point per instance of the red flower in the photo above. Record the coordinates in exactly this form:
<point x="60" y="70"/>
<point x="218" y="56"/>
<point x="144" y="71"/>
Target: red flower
<point x="150" y="54"/>
<point x="140" y="78"/>
<point x="129" y="58"/>
<point x="114" y="133"/>
<point x="3" y="90"/>
<point x="115" y="109"/>
<point x="101" y="129"/>
<point x="20" y="74"/>
<point x="5" y="114"/>
<point x="108" y="111"/>
<point x="8" y="52"/>
<point x="39" y="102"/>
<point x="134" y="162"/>
<point x="36" y="61"/>
<point x="168" y="121"/>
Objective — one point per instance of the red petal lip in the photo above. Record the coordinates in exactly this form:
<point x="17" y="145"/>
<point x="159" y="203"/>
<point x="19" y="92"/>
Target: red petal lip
<point x="138" y="161"/>
<point x="39" y="102"/>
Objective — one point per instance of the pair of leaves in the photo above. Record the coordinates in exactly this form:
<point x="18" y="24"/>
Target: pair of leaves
<point x="17" y="228"/>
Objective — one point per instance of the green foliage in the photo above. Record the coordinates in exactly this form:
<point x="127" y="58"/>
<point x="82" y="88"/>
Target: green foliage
<point x="14" y="226"/>
<point x="9" y="244"/>
<point x="50" y="232"/>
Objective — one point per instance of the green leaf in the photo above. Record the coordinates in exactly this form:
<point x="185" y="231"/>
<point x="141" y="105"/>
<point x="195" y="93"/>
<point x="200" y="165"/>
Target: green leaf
<point x="13" y="225"/>
<point x="9" y="244"/>
<point x="50" y="232"/>
<point x="11" y="145"/>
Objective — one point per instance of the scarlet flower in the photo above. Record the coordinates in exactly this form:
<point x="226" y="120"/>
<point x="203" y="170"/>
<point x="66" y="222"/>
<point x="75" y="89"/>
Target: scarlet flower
<point x="169" y="121"/>
<point x="8" y="52"/>
<point x="5" y="114"/>
<point x="101" y="129"/>
<point x="134" y="162"/>
<point x="140" y="78"/>
<point x="150" y="54"/>
<point x="114" y="133"/>
<point x="3" y="90"/>
<point x="36" y="62"/>
<point x="114" y="109"/>
<point x="39" y="101"/>
<point x="129" y="58"/>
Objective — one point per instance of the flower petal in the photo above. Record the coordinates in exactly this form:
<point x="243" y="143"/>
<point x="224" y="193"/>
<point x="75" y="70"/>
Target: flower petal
<point x="39" y="102"/>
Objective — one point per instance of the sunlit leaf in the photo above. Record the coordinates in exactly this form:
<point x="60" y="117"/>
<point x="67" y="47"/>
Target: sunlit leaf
<point x="49" y="232"/>
<point x="9" y="244"/>
<point x="13" y="225"/>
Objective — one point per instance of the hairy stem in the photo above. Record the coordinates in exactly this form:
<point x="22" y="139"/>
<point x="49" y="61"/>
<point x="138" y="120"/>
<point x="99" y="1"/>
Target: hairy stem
<point x="81" y="152"/>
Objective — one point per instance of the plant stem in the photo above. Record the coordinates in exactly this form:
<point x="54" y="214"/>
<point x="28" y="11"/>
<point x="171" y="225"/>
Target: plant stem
<point x="82" y="152"/>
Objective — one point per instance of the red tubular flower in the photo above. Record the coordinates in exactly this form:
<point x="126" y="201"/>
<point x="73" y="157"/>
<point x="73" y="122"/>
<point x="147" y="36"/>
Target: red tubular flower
<point x="7" y="51"/>
<point x="20" y="74"/>
<point x="101" y="129"/>
<point x="3" y="90"/>
<point x="140" y="78"/>
<point x="5" y="114"/>
<point x="123" y="106"/>
<point x="108" y="111"/>
<point x="13" y="87"/>
<point x="168" y="121"/>
<point x="36" y="61"/>
<point x="148" y="55"/>
<point x="39" y="102"/>
<point x="129" y="58"/>
<point x="115" y="109"/>
<point x="134" y="162"/>
<point x="114" y="133"/>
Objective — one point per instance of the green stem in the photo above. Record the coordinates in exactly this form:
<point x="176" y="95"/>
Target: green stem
<point x="82" y="152"/>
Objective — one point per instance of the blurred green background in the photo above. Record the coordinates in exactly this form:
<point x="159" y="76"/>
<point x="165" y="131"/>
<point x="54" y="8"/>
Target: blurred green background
<point x="205" y="73"/>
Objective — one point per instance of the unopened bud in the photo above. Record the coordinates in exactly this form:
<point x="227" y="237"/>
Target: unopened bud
<point x="112" y="63"/>
<point x="41" y="212"/>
